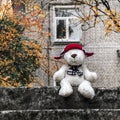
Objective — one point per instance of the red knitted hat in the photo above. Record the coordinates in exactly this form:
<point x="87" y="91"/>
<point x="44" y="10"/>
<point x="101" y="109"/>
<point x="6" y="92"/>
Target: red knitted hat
<point x="73" y="46"/>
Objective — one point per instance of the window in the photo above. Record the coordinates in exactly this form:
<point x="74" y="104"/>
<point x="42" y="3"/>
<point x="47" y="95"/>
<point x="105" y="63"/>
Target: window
<point x="18" y="5"/>
<point x="66" y="24"/>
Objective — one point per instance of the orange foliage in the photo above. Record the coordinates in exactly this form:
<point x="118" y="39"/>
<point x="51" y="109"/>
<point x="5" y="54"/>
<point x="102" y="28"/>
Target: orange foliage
<point x="20" y="55"/>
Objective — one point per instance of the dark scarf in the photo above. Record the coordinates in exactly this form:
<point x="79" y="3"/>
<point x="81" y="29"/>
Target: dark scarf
<point x="74" y="70"/>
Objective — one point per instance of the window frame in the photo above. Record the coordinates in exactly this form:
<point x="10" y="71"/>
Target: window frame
<point x="54" y="24"/>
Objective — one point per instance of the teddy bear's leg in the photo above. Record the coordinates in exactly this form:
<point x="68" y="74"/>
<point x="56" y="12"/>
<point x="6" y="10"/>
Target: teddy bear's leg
<point x="86" y="89"/>
<point x="66" y="88"/>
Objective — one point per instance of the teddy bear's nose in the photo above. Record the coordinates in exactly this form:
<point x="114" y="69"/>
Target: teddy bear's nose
<point x="73" y="55"/>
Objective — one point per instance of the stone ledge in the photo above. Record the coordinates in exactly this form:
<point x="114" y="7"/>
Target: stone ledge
<point x="61" y="114"/>
<point x="48" y="98"/>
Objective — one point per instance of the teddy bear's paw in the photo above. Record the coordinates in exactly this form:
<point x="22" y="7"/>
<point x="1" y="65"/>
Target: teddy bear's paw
<point x="58" y="77"/>
<point x="87" y="91"/>
<point x="65" y="93"/>
<point x="92" y="76"/>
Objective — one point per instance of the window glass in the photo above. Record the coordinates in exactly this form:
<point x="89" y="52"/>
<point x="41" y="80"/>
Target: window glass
<point x="65" y="12"/>
<point x="61" y="29"/>
<point x="18" y="5"/>
<point x="74" y="29"/>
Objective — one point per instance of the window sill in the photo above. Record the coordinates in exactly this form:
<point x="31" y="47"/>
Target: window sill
<point x="64" y="42"/>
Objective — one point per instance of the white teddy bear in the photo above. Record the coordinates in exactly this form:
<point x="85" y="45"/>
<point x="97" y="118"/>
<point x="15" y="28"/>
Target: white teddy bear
<point x="75" y="72"/>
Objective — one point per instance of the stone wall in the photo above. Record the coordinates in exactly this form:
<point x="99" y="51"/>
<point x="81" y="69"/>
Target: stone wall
<point x="45" y="104"/>
<point x="47" y="98"/>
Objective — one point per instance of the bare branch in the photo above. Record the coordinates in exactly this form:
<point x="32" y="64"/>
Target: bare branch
<point x="106" y="4"/>
<point x="102" y="10"/>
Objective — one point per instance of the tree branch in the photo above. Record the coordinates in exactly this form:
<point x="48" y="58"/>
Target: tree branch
<point x="106" y="4"/>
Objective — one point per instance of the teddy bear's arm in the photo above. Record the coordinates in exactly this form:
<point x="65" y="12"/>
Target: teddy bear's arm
<point x="60" y="74"/>
<point x="90" y="76"/>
